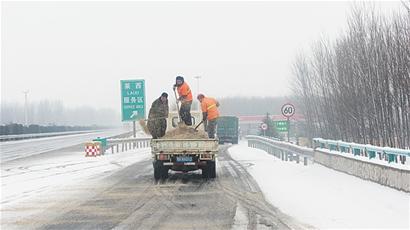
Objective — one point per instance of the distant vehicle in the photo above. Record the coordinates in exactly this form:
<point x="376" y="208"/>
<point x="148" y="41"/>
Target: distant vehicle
<point x="228" y="129"/>
<point x="184" y="154"/>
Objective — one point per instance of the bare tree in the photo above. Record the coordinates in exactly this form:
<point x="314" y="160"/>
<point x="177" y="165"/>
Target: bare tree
<point x="357" y="88"/>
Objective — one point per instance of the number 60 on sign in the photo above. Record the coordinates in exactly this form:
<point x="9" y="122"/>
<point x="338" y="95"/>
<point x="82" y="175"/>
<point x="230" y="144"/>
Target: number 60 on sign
<point x="288" y="110"/>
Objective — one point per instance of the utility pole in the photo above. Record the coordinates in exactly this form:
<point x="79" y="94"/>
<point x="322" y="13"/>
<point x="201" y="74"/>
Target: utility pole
<point x="25" y="108"/>
<point x="197" y="83"/>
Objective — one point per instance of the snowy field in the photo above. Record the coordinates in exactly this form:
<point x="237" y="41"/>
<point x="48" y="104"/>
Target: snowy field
<point x="324" y="198"/>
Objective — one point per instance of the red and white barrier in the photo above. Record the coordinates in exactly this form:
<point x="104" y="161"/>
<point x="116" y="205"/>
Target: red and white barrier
<point x="92" y="149"/>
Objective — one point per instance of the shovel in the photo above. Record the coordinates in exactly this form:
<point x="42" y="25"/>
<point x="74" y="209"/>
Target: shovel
<point x="196" y="127"/>
<point x="180" y="123"/>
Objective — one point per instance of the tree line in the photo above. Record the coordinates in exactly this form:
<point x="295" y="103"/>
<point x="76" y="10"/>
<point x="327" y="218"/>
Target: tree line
<point x="49" y="113"/>
<point x="15" y="129"/>
<point x="357" y="87"/>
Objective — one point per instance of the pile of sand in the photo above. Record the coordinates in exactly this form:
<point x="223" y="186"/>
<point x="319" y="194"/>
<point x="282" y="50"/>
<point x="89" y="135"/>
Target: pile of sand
<point x="185" y="132"/>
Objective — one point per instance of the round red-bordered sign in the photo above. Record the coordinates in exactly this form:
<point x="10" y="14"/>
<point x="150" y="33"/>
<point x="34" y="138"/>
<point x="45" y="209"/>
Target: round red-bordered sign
<point x="264" y="126"/>
<point x="288" y="110"/>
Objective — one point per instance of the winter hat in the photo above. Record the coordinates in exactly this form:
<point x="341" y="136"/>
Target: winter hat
<point x="180" y="78"/>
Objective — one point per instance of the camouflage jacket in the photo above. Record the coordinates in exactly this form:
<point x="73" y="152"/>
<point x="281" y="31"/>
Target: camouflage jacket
<point x="158" y="109"/>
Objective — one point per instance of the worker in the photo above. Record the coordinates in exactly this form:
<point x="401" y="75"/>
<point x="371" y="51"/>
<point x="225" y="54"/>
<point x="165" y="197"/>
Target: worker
<point x="157" y="117"/>
<point x="210" y="114"/>
<point x="185" y="97"/>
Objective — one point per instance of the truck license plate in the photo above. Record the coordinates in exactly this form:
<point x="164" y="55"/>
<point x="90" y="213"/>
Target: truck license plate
<point x="184" y="159"/>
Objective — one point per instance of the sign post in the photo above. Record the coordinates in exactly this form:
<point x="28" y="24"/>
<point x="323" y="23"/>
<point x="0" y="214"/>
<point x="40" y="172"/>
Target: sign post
<point x="288" y="110"/>
<point x="132" y="101"/>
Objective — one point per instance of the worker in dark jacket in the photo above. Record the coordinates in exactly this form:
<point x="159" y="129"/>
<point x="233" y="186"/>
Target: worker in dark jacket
<point x="157" y="117"/>
<point x="185" y="97"/>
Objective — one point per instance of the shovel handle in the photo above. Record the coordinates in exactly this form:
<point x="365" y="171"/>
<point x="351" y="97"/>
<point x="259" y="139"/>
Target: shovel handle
<point x="198" y="125"/>
<point x="176" y="99"/>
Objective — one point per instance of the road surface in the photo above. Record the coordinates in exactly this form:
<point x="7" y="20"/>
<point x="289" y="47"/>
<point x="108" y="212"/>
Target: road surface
<point x="129" y="198"/>
<point x="12" y="150"/>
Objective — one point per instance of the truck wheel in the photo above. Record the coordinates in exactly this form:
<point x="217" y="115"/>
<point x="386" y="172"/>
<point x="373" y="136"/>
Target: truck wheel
<point x="157" y="170"/>
<point x="211" y="169"/>
<point x="160" y="171"/>
<point x="205" y="172"/>
<point x="164" y="172"/>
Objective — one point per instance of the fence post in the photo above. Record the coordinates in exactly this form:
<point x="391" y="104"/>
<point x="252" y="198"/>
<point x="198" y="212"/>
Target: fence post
<point x="305" y="162"/>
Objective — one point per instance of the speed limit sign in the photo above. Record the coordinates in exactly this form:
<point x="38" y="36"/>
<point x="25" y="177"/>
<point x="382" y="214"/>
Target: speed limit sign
<point x="264" y="126"/>
<point x="288" y="110"/>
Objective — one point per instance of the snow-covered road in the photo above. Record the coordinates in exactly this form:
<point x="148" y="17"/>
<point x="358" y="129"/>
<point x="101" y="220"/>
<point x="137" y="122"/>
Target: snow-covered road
<point x="12" y="150"/>
<point x="324" y="198"/>
<point x="253" y="190"/>
<point x="31" y="186"/>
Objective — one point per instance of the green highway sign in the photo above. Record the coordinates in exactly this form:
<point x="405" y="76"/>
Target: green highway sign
<point x="281" y="126"/>
<point x="132" y="100"/>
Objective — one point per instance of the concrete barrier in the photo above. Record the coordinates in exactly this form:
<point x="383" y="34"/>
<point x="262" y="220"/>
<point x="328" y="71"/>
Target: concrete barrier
<point x="389" y="176"/>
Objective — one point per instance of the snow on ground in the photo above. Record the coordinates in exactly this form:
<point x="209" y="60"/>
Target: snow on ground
<point x="22" y="181"/>
<point x="322" y="197"/>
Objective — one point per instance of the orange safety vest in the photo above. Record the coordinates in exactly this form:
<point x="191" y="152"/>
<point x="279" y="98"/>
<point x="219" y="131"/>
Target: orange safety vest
<point x="185" y="91"/>
<point x="209" y="106"/>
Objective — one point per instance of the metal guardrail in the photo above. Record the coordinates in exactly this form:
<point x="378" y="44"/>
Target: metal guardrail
<point x="282" y="150"/>
<point x="383" y="153"/>
<point x="125" y="144"/>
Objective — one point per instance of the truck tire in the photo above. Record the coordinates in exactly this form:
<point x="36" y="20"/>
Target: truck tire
<point x="211" y="169"/>
<point x="205" y="172"/>
<point x="160" y="171"/>
<point x="164" y="172"/>
<point x="157" y="170"/>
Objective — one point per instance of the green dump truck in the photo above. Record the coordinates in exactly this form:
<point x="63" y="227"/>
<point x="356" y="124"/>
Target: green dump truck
<point x="228" y="129"/>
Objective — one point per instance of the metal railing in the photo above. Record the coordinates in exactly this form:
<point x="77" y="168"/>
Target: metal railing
<point x="382" y="153"/>
<point x="125" y="144"/>
<point x="282" y="150"/>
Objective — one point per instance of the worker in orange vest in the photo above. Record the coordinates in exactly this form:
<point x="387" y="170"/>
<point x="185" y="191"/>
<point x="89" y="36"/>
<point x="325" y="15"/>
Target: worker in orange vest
<point x="185" y="97"/>
<point x="210" y="114"/>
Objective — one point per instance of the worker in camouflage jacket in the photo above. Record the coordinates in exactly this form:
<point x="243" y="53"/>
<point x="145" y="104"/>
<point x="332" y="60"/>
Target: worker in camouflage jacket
<point x="157" y="117"/>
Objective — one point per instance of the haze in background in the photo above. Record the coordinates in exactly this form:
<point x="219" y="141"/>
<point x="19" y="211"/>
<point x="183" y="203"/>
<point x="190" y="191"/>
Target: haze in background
<point x="76" y="52"/>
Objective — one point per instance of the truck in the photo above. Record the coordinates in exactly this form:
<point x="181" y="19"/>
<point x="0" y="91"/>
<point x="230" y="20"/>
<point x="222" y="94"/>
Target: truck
<point x="228" y="129"/>
<point x="184" y="154"/>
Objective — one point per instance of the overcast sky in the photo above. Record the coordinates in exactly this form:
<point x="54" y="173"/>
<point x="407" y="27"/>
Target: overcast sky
<point x="78" y="52"/>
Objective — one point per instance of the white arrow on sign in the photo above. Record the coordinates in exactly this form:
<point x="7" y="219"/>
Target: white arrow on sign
<point x="134" y="113"/>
